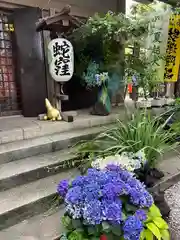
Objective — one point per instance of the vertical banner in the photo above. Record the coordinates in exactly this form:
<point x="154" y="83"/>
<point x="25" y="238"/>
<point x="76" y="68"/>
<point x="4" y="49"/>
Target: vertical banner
<point x="158" y="37"/>
<point x="173" y="50"/>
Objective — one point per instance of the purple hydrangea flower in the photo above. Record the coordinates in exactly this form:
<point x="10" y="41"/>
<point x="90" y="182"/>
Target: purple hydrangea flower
<point x="132" y="228"/>
<point x="125" y="175"/>
<point x="146" y="200"/>
<point x="140" y="197"/>
<point x="92" y="212"/>
<point x="111" y="191"/>
<point x="78" y="181"/>
<point x="141" y="214"/>
<point x="112" y="211"/>
<point x="62" y="188"/>
<point x="74" y="195"/>
<point x="74" y="210"/>
<point x="112" y="167"/>
<point x="95" y="198"/>
<point x="91" y="191"/>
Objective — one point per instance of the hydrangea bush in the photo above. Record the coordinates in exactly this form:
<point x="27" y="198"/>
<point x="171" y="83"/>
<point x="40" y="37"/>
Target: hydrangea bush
<point x="107" y="204"/>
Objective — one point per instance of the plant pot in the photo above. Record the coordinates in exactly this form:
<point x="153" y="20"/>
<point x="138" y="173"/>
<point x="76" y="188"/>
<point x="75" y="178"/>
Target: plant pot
<point x="102" y="108"/>
<point x="143" y="103"/>
<point x="158" y="102"/>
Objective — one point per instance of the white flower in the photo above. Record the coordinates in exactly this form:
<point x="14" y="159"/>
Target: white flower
<point x="128" y="161"/>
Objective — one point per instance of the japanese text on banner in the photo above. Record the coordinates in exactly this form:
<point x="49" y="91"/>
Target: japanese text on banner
<point x="173" y="50"/>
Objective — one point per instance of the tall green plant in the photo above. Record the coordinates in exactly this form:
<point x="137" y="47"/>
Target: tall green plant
<point x="140" y="132"/>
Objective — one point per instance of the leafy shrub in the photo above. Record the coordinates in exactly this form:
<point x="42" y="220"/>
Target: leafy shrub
<point x="140" y="132"/>
<point x="111" y="203"/>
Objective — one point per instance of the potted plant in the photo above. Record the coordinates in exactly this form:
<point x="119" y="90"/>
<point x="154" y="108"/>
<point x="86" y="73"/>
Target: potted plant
<point x="94" y="78"/>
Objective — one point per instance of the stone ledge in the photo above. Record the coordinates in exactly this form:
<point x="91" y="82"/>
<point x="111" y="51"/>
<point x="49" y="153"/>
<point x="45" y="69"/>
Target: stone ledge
<point x="33" y="128"/>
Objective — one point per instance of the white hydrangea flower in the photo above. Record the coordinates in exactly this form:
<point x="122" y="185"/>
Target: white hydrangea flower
<point x="128" y="161"/>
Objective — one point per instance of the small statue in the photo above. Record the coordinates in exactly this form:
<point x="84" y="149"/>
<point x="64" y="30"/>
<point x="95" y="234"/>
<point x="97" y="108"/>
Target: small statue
<point x="52" y="113"/>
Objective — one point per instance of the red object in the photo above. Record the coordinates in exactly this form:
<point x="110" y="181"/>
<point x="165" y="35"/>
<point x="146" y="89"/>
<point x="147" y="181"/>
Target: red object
<point x="103" y="237"/>
<point x="129" y="88"/>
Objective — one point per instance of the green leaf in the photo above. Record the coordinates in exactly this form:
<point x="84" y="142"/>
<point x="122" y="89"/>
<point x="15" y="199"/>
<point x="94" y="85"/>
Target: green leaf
<point x="143" y="235"/>
<point x="165" y="235"/>
<point x="130" y="208"/>
<point x="116" y="230"/>
<point x="154" y="211"/>
<point x="63" y="237"/>
<point x="160" y="223"/>
<point x="92" y="230"/>
<point x="106" y="227"/>
<point x="146" y="235"/>
<point x="154" y="229"/>
<point x="124" y="216"/>
<point x="76" y="223"/>
<point x="75" y="235"/>
<point x="67" y="222"/>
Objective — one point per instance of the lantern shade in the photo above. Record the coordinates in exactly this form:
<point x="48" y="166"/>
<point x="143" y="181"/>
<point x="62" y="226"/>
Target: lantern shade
<point x="61" y="59"/>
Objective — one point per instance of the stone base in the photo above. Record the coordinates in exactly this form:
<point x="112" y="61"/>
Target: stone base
<point x="99" y="110"/>
<point x="143" y="104"/>
<point x="65" y="117"/>
<point x="160" y="102"/>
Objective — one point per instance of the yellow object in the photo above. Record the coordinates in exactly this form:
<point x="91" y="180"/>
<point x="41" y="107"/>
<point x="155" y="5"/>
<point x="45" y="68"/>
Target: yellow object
<point x="173" y="50"/>
<point x="52" y="113"/>
<point x="11" y="27"/>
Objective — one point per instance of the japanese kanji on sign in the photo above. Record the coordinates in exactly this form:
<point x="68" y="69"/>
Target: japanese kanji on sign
<point x="172" y="52"/>
<point x="61" y="59"/>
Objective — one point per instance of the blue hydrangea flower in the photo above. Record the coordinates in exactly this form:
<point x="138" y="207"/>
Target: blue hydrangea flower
<point x="132" y="228"/>
<point x="140" y="197"/>
<point x="74" y="195"/>
<point x="79" y="181"/>
<point x="111" y="191"/>
<point x="112" y="167"/>
<point x="74" y="210"/>
<point x="112" y="211"/>
<point x="62" y="188"/>
<point x="92" y="212"/>
<point x="141" y="214"/>
<point x="125" y="175"/>
<point x="91" y="191"/>
<point x="96" y="197"/>
<point x="146" y="200"/>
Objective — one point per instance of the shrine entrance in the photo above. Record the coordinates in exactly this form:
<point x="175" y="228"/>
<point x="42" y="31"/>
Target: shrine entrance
<point x="9" y="92"/>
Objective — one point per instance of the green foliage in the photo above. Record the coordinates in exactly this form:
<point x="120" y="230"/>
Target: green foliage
<point x="140" y="132"/>
<point x="102" y="39"/>
<point x="76" y="235"/>
<point x="89" y="76"/>
<point x="155" y="226"/>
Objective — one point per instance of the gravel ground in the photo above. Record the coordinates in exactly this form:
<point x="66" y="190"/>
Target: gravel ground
<point x="172" y="196"/>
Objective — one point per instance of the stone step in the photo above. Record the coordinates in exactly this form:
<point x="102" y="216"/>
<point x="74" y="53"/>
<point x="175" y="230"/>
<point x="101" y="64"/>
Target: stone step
<point x="17" y="128"/>
<point x="25" y="201"/>
<point x="23" y="171"/>
<point x="41" y="227"/>
<point x="32" y="147"/>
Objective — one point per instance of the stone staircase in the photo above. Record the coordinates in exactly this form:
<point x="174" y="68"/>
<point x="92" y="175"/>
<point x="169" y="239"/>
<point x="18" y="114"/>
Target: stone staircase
<point x="30" y="170"/>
